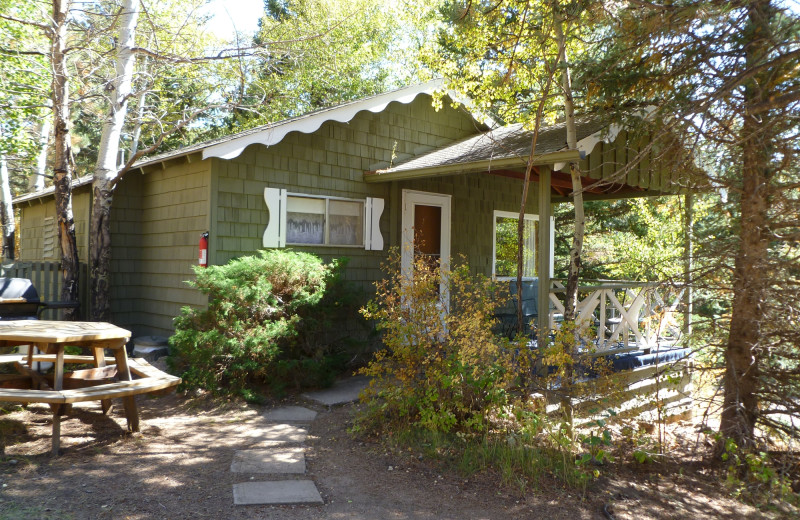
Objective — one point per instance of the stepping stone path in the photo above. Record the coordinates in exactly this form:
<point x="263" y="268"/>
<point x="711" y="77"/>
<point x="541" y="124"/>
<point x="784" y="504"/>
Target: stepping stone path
<point x="277" y="492"/>
<point x="344" y="391"/>
<point x="288" y="460"/>
<point x="276" y="458"/>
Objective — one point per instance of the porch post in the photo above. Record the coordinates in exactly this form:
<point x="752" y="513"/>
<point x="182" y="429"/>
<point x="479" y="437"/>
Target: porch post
<point x="543" y="267"/>
<point x="395" y="210"/>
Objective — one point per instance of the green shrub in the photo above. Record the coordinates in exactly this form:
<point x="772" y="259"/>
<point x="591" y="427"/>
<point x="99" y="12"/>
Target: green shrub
<point x="263" y="313"/>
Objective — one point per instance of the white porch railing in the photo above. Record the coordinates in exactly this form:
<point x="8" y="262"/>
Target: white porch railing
<point x="612" y="313"/>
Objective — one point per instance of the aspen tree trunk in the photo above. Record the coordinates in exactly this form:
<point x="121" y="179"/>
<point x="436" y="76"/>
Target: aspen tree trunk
<point x="107" y="170"/>
<point x="575" y="251"/>
<point x="62" y="167"/>
<point x="750" y="277"/>
<point x="7" y="209"/>
<point x="36" y="181"/>
<point x="571" y="298"/>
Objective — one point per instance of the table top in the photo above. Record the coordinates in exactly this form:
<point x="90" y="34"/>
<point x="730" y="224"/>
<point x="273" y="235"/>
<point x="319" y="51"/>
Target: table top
<point x="59" y="331"/>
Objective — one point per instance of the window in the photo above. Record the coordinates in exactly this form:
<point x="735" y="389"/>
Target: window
<point x="345" y="222"/>
<point x="324" y="221"/>
<point x="505" y="245"/>
<point x="299" y="219"/>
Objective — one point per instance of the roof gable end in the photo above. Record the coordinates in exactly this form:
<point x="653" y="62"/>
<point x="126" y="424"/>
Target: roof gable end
<point x="272" y="134"/>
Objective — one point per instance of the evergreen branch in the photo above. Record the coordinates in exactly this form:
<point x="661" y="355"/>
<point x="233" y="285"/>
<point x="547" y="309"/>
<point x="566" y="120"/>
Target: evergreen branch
<point x="778" y="102"/>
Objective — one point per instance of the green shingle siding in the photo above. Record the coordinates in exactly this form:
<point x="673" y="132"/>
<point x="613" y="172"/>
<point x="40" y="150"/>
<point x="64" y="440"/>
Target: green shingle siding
<point x="158" y="216"/>
<point x="165" y="212"/>
<point x="475" y="197"/>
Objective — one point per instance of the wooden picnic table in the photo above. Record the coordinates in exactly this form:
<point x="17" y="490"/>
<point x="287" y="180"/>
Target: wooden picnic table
<point x="51" y="338"/>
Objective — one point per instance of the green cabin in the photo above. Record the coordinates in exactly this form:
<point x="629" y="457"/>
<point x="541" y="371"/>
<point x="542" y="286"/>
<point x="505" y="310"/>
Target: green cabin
<point x="349" y="181"/>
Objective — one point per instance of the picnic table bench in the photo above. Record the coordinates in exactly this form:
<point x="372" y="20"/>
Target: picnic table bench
<point x="110" y="377"/>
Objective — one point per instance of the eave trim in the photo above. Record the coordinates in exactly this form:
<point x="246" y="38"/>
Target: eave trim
<point x="470" y="167"/>
<point x="344" y="114"/>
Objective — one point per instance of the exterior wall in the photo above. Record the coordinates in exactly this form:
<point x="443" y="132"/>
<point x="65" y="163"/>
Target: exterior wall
<point x="475" y="197"/>
<point x="32" y="230"/>
<point x="653" y="172"/>
<point x="331" y="162"/>
<point x="156" y="223"/>
<point x="158" y="216"/>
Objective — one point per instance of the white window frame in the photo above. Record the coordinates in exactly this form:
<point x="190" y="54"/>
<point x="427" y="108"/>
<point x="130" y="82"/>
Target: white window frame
<point x="508" y="214"/>
<point x="277" y="205"/>
<point x="530" y="217"/>
<point x="326" y="219"/>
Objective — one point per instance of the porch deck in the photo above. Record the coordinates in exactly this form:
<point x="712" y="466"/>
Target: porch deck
<point x="624" y="313"/>
<point x="637" y="327"/>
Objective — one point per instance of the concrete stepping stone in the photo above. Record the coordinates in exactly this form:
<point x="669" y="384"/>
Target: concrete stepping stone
<point x="276" y="492"/>
<point x="290" y="414"/>
<point x="278" y="434"/>
<point x="286" y="460"/>
<point x="342" y="392"/>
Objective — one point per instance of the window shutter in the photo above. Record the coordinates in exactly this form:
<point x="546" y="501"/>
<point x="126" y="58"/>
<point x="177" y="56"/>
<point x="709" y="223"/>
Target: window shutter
<point x="373" y="209"/>
<point x="275" y="234"/>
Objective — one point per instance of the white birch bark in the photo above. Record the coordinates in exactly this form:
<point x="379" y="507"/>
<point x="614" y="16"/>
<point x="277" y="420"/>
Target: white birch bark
<point x="8" y="211"/>
<point x="36" y="181"/>
<point x="575" y="251"/>
<point x="571" y="299"/>
<point x="107" y="169"/>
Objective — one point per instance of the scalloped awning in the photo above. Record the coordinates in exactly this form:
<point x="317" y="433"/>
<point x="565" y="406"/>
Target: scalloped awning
<point x="273" y="134"/>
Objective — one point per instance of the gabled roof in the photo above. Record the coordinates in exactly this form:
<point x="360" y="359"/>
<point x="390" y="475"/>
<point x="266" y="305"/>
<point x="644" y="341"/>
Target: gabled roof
<point x="500" y="148"/>
<point x="231" y="146"/>
<point x="603" y="151"/>
<point x="80" y="181"/>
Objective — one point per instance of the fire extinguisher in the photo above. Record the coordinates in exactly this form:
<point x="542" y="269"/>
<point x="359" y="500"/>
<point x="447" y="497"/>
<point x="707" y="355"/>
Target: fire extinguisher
<point x="202" y="260"/>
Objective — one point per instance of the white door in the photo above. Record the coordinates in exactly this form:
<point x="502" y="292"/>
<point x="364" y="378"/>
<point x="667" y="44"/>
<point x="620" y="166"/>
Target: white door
<point x="426" y="231"/>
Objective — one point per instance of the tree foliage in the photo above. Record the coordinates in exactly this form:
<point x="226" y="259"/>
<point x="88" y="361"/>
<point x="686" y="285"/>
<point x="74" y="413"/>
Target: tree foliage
<point x="24" y="91"/>
<point x="725" y="77"/>
<point x="442" y="369"/>
<point x="319" y="53"/>
<point x="627" y="239"/>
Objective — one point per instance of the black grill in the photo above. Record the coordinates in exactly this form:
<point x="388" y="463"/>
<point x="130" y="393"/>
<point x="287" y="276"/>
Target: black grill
<point x="19" y="300"/>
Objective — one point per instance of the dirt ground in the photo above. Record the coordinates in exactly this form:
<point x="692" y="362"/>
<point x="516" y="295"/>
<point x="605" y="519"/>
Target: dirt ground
<point x="178" y="467"/>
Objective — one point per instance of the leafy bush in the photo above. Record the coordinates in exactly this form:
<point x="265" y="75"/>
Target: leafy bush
<point x="261" y="312"/>
<point x="446" y="383"/>
<point x="442" y="368"/>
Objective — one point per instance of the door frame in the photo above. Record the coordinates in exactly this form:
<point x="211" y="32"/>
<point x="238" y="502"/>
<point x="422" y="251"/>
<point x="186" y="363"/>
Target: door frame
<point x="411" y="198"/>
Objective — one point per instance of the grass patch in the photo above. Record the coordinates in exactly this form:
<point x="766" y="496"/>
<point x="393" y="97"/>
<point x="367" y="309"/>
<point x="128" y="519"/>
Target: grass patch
<point x="17" y="512"/>
<point x="520" y="463"/>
